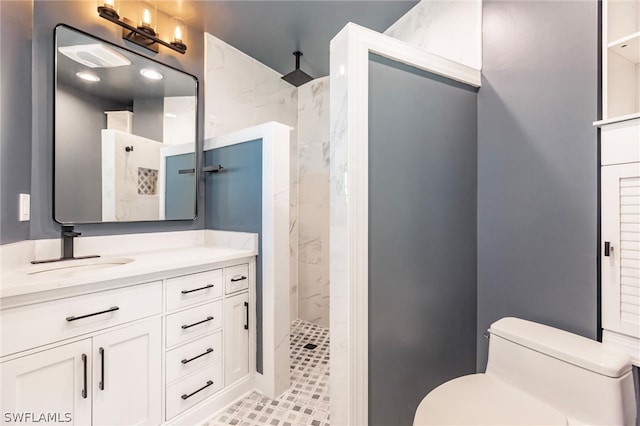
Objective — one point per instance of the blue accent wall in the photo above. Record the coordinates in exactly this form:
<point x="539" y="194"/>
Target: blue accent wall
<point x="15" y="120"/>
<point x="538" y="166"/>
<point x="180" y="188"/>
<point x="422" y="236"/>
<point x="233" y="202"/>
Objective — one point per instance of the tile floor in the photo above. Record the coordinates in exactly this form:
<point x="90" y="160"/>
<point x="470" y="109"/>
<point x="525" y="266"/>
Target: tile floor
<point x="306" y="402"/>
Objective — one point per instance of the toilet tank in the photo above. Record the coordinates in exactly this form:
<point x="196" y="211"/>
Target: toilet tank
<point x="573" y="374"/>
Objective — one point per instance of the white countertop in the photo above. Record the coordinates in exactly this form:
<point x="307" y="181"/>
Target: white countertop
<point x="19" y="280"/>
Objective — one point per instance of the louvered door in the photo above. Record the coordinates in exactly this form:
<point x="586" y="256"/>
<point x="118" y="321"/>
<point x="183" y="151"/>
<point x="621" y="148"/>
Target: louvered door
<point x="621" y="248"/>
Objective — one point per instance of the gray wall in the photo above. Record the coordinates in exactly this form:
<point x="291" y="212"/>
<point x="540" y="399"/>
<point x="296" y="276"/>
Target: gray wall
<point x="148" y="118"/>
<point x="78" y="183"/>
<point x="83" y="15"/>
<point x="422" y="237"/>
<point x="537" y="166"/>
<point x="234" y="203"/>
<point x="15" y="115"/>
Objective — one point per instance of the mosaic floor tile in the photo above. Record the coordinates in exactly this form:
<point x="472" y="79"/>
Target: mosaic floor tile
<point x="307" y="400"/>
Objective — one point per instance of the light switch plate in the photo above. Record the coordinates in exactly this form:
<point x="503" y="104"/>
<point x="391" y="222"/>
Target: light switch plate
<point x="25" y="208"/>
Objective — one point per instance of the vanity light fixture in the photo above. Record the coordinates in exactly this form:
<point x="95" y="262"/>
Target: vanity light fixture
<point x="144" y="33"/>
<point x="151" y="74"/>
<point x="87" y="76"/>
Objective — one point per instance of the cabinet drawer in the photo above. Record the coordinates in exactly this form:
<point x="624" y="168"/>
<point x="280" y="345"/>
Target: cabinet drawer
<point x="193" y="389"/>
<point x="42" y="323"/>
<point x="193" y="322"/>
<point x="621" y="143"/>
<point x="236" y="278"/>
<point x="191" y="289"/>
<point x="193" y="356"/>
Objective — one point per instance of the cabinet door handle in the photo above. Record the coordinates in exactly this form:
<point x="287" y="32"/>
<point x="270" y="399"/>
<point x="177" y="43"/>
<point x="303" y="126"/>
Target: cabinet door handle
<point x="185" y="396"/>
<point x="196" y="289"/>
<point x="242" y="278"/>
<point x="208" y="351"/>
<point x="84" y="379"/>
<point x="101" y="384"/>
<point x="111" y="309"/>
<point x="184" y="327"/>
<point x="246" y="324"/>
<point x="608" y="248"/>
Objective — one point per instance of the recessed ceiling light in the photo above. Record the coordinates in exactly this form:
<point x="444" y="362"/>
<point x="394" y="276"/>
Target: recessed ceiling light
<point x="87" y="76"/>
<point x="151" y="74"/>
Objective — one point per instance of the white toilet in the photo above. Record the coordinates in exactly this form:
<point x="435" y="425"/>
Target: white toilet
<point x="537" y="375"/>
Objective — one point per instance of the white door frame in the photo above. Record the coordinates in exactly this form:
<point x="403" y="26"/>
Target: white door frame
<point x="349" y="138"/>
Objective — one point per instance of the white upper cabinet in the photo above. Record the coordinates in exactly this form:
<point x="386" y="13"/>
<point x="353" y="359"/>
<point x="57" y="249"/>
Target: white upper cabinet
<point x="621" y="58"/>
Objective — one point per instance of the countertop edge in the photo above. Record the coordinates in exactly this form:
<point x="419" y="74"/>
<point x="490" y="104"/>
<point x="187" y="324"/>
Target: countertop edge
<point x="144" y="271"/>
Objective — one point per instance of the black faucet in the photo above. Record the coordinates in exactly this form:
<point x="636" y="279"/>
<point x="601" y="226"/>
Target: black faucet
<point x="68" y="235"/>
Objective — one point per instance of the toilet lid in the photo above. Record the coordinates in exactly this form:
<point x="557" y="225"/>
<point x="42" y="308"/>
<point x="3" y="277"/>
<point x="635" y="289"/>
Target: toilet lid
<point x="481" y="399"/>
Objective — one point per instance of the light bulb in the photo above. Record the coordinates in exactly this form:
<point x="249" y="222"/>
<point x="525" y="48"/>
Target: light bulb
<point x="177" y="34"/>
<point x="109" y="3"/>
<point x="146" y="17"/>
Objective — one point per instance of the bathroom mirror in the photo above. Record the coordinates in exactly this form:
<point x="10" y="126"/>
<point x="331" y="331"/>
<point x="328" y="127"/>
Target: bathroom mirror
<point x="125" y="134"/>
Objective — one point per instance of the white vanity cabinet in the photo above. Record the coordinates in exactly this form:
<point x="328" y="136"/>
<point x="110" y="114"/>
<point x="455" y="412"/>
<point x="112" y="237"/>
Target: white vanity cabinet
<point x="620" y="176"/>
<point x="620" y="225"/>
<point x="54" y="381"/>
<point x="107" y="372"/>
<point x="236" y="322"/>
<point x="127" y="375"/>
<point x="140" y="354"/>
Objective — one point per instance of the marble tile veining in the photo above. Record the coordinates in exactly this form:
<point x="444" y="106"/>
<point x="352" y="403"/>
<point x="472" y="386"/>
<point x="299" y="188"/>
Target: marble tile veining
<point x="451" y="29"/>
<point x="313" y="201"/>
<point x="306" y="402"/>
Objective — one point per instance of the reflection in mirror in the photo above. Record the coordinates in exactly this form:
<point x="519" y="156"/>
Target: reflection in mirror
<point x="125" y="134"/>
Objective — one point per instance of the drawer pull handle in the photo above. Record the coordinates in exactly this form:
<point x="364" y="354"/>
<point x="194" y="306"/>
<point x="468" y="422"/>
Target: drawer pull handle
<point x="112" y="309"/>
<point x="185" y="396"/>
<point x="246" y="324"/>
<point x="208" y="351"/>
<point x="234" y="279"/>
<point x="184" y="327"/>
<point x="196" y="289"/>
<point x="84" y="381"/>
<point x="101" y="384"/>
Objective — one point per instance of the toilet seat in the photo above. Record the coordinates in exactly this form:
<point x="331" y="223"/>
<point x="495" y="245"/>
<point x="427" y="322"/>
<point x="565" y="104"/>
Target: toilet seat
<point x="482" y="399"/>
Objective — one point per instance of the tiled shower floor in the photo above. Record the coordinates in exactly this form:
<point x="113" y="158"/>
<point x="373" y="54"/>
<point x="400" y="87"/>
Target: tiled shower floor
<point x="306" y="402"/>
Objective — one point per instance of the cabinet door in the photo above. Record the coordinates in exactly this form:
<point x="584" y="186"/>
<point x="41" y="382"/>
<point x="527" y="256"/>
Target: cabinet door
<point x="236" y="338"/>
<point x="55" y="383"/>
<point x="126" y="375"/>
<point x="620" y="250"/>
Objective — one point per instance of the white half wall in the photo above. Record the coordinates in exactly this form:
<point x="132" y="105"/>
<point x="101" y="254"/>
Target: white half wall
<point x="274" y="379"/>
<point x="349" y="193"/>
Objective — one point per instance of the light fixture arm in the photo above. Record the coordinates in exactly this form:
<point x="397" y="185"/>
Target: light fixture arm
<point x="139" y="36"/>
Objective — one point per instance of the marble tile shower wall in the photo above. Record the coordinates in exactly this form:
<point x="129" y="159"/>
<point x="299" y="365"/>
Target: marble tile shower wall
<point x="241" y="92"/>
<point x="451" y="29"/>
<point x="313" y="202"/>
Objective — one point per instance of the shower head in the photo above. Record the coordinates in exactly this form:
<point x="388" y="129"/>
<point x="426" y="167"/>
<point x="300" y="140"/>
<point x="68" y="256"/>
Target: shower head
<point x="297" y="77"/>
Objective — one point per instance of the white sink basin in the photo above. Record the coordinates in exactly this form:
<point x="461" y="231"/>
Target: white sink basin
<point x="68" y="268"/>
